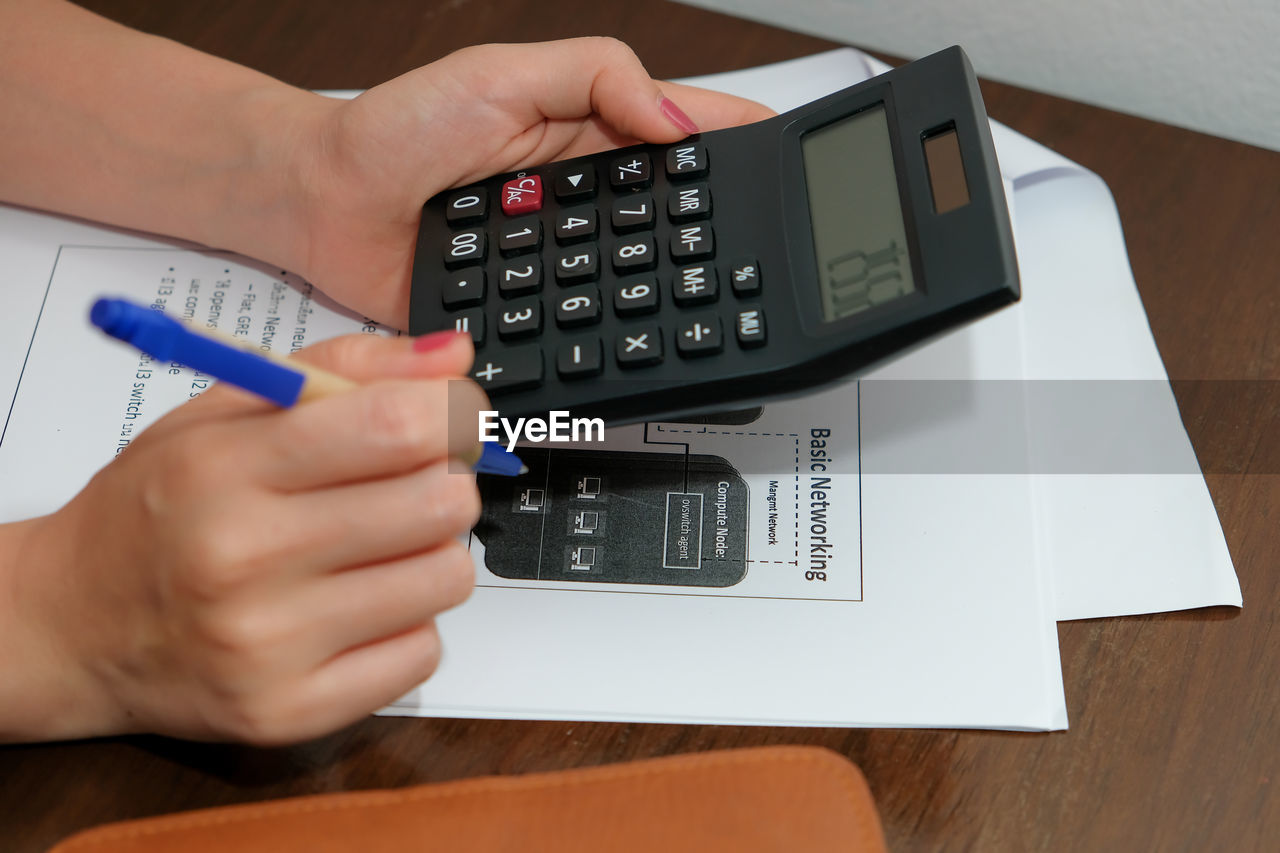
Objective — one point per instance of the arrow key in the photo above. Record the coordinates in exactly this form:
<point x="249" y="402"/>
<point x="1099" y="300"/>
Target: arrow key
<point x="575" y="183"/>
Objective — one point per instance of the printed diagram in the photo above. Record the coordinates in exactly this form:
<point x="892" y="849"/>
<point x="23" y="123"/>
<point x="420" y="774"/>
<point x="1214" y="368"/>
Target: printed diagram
<point x="582" y="515"/>
<point x="727" y="508"/>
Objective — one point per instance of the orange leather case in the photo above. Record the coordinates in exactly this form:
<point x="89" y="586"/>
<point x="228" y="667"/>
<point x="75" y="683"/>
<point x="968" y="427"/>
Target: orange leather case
<point x="767" y="799"/>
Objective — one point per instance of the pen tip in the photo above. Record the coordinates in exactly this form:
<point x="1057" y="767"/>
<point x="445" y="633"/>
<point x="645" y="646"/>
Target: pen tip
<point x="524" y="469"/>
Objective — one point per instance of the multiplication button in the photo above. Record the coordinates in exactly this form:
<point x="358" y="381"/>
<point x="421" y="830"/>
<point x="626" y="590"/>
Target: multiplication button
<point x="510" y="370"/>
<point x="699" y="335"/>
<point x="640" y="346"/>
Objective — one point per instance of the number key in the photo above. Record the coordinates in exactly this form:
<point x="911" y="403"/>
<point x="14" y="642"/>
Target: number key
<point x="578" y="307"/>
<point x="632" y="212"/>
<point x="575" y="224"/>
<point x="635" y="297"/>
<point x="466" y="206"/>
<point x="520" y="277"/>
<point x="520" y="319"/>
<point x="466" y="247"/>
<point x="520" y="235"/>
<point x="635" y="255"/>
<point x="575" y="266"/>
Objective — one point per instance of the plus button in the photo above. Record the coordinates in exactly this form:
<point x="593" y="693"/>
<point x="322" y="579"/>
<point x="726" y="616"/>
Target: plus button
<point x="489" y="372"/>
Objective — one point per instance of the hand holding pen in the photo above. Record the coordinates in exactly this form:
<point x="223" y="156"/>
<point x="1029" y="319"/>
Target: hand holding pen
<point x="249" y="572"/>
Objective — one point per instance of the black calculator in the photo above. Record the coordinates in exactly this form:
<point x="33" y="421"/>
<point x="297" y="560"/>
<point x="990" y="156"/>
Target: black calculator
<point x="734" y="266"/>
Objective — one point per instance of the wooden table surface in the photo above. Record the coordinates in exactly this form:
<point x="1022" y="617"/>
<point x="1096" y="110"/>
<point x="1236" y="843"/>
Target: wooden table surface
<point x="1175" y="732"/>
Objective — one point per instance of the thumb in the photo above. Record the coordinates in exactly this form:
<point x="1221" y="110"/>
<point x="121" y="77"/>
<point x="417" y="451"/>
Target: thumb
<point x="576" y="78"/>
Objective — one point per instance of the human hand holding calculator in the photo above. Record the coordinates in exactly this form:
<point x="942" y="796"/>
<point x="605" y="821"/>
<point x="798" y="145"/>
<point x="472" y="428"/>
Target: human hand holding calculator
<point x="734" y="266"/>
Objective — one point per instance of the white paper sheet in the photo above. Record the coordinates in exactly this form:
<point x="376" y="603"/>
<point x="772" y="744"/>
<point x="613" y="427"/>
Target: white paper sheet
<point x="948" y="586"/>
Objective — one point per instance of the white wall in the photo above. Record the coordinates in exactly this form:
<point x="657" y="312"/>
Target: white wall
<point x="1210" y="65"/>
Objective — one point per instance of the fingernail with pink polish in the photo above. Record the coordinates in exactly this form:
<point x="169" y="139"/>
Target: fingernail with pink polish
<point x="675" y="115"/>
<point x="435" y="340"/>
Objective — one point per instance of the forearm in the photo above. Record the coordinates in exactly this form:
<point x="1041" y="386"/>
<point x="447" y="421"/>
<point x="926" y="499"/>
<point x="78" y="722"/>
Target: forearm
<point x="110" y="124"/>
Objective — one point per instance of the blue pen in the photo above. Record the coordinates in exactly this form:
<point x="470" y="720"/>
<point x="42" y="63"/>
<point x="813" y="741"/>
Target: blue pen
<point x="165" y="339"/>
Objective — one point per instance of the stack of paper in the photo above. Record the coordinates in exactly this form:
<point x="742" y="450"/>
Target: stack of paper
<point x="891" y="552"/>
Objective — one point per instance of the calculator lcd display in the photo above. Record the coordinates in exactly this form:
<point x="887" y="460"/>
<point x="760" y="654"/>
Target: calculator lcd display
<point x="855" y="211"/>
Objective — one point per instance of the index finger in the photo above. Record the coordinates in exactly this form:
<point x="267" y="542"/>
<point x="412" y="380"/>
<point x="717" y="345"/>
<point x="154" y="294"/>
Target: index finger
<point x="378" y="430"/>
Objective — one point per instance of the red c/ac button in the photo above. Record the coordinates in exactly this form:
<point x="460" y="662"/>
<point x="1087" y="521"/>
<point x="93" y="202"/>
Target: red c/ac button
<point x="522" y="195"/>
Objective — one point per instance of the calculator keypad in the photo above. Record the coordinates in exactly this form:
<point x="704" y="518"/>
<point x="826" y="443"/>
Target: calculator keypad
<point x="622" y="249"/>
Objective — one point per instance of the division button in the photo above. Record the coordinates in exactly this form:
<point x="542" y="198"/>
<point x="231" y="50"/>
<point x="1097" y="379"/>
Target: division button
<point x="464" y="289"/>
<point x="699" y="335"/>
<point x="520" y="235"/>
<point x="688" y="203"/>
<point x="580" y="358"/>
<point x="509" y="370"/>
<point x="640" y="346"/>
<point x="471" y="321"/>
<point x="692" y="242"/>
<point x="467" y="205"/>
<point x="631" y="171"/>
<point x="744" y="277"/>
<point x="576" y="183"/>
<point x="751" y="328"/>
<point x="522" y="195"/>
